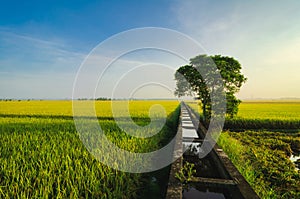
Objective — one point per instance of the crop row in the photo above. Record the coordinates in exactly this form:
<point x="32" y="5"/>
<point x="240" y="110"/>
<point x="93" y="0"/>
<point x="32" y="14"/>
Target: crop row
<point x="236" y="124"/>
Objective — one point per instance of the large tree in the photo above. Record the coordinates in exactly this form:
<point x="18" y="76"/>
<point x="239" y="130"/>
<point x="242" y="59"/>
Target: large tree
<point x="190" y="81"/>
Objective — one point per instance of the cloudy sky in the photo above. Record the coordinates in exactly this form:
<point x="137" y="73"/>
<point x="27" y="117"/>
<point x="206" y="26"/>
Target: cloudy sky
<point x="44" y="43"/>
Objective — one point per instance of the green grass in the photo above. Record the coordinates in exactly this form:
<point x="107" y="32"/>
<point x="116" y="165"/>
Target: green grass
<point x="43" y="157"/>
<point x="262" y="158"/>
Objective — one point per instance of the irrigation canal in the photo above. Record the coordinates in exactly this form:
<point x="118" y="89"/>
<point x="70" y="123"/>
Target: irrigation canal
<point x="215" y="178"/>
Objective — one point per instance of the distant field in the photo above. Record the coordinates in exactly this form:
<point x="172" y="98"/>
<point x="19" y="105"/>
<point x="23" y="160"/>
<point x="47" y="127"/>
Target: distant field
<point x="279" y="110"/>
<point x="64" y="108"/>
<point x="268" y="115"/>
<point x="43" y="157"/>
<point x="272" y="109"/>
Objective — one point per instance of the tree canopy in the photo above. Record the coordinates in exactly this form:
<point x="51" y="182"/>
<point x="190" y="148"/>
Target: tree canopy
<point x="190" y="81"/>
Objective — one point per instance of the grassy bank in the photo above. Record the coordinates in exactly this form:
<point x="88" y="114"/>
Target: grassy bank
<point x="262" y="158"/>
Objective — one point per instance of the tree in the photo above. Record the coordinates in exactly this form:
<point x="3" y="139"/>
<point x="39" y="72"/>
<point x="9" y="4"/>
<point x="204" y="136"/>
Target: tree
<point x="190" y="81"/>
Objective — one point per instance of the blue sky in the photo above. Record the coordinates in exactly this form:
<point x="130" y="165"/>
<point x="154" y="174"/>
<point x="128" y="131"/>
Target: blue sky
<point x="43" y="43"/>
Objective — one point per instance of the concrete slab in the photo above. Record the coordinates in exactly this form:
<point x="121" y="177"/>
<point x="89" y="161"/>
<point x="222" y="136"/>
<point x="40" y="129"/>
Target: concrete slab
<point x="187" y="132"/>
<point x="187" y="124"/>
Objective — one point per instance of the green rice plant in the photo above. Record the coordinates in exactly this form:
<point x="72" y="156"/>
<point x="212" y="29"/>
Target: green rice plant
<point x="41" y="155"/>
<point x="186" y="172"/>
<point x="240" y="124"/>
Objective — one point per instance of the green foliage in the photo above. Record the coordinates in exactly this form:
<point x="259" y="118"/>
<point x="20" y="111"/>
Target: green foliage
<point x="189" y="81"/>
<point x="240" y="124"/>
<point x="262" y="158"/>
<point x="186" y="172"/>
<point x="53" y="163"/>
<point x="232" y="105"/>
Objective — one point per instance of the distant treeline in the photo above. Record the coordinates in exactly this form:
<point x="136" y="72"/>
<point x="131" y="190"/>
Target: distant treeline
<point x="97" y="99"/>
<point x="16" y="100"/>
